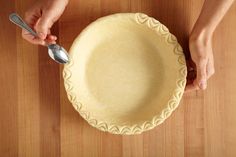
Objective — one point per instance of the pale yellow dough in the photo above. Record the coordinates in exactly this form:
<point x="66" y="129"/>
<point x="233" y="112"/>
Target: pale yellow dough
<point x="127" y="73"/>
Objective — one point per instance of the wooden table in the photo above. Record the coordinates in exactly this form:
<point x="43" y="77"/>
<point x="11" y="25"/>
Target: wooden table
<point x="36" y="118"/>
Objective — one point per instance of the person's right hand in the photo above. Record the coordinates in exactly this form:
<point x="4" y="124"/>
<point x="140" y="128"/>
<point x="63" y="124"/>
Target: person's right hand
<point x="202" y="55"/>
<point x="41" y="16"/>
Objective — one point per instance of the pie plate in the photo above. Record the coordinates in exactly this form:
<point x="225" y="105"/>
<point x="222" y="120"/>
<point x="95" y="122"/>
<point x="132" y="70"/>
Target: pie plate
<point x="126" y="74"/>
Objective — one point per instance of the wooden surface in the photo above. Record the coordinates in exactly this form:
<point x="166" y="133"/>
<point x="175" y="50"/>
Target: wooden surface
<point x="36" y="118"/>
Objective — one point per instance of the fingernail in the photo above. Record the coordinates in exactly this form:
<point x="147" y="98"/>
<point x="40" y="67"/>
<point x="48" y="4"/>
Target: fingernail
<point x="203" y="85"/>
<point x="41" y="35"/>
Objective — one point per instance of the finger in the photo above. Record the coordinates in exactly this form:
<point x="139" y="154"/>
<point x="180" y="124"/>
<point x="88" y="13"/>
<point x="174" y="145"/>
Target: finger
<point x="191" y="75"/>
<point x="191" y="87"/>
<point x="44" y="24"/>
<point x="50" y="41"/>
<point x="32" y="39"/>
<point x="201" y="79"/>
<point x="51" y="37"/>
<point x="32" y="16"/>
<point x="210" y="67"/>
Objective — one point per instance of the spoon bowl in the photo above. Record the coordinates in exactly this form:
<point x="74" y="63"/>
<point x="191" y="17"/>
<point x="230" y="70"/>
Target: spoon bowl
<point x="57" y="53"/>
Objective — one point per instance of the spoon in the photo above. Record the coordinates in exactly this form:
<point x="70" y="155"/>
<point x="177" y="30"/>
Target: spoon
<point x="55" y="51"/>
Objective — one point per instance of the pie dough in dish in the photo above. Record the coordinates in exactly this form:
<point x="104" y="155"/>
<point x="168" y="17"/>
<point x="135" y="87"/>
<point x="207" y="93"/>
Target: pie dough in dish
<point x="127" y="73"/>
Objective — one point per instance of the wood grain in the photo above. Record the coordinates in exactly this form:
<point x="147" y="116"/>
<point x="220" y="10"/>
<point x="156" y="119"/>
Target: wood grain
<point x="36" y="118"/>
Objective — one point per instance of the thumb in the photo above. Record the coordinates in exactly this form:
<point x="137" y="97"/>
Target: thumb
<point x="42" y="26"/>
<point x="202" y="74"/>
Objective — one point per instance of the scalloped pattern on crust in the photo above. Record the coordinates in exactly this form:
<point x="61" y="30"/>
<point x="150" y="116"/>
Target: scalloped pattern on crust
<point x="172" y="104"/>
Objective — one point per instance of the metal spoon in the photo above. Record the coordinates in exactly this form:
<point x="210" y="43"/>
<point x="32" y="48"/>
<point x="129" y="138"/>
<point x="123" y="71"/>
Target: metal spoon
<point x="56" y="52"/>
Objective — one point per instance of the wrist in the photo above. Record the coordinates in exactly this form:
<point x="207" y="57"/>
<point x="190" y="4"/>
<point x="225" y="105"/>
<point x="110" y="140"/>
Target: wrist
<point x="65" y="2"/>
<point x="203" y="34"/>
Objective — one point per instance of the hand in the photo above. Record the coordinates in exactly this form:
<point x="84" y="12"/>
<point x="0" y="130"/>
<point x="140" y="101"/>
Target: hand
<point x="200" y="43"/>
<point x="202" y="55"/>
<point x="41" y="16"/>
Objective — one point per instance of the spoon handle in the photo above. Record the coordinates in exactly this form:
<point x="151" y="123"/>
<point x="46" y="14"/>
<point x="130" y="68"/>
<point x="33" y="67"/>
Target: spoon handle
<point x="16" y="19"/>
